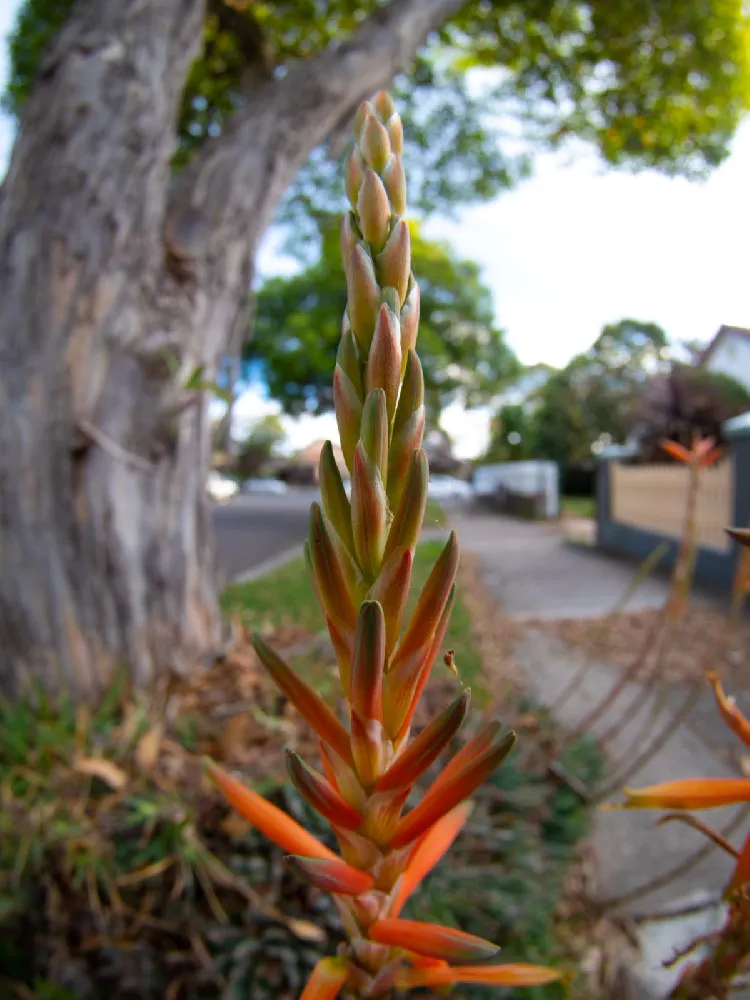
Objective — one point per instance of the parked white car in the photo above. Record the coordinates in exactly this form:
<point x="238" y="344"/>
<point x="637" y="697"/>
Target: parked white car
<point x="265" y="487"/>
<point x="449" y="488"/>
<point x="220" y="488"/>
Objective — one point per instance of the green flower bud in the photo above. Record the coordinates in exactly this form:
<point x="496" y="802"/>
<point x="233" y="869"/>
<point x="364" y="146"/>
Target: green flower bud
<point x="384" y="362"/>
<point x="394" y="180"/>
<point x="364" y="297"/>
<point x="348" y="413"/>
<point x="374" y="430"/>
<point x="374" y="143"/>
<point x="393" y="265"/>
<point x="354" y="175"/>
<point x="373" y="210"/>
<point x="395" y="131"/>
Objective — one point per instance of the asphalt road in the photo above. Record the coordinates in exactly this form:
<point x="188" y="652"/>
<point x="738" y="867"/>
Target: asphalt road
<point x="251" y="529"/>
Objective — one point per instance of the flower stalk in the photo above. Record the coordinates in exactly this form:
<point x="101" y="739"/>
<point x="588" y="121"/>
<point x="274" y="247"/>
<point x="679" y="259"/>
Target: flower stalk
<point x="360" y="552"/>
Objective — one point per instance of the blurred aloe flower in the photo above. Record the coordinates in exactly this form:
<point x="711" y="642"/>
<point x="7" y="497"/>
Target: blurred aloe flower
<point x="360" y="554"/>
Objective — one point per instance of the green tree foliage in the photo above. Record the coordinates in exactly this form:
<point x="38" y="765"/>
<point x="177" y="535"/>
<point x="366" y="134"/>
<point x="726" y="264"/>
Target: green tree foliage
<point x="598" y="392"/>
<point x="511" y="435"/>
<point x="649" y="84"/>
<point x="297" y="329"/>
<point x="260" y="445"/>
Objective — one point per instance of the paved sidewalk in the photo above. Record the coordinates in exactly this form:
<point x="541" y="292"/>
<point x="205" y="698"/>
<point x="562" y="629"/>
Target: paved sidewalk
<point x="534" y="574"/>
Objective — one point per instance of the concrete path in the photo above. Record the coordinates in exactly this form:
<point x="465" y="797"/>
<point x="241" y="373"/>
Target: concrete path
<point x="534" y="574"/>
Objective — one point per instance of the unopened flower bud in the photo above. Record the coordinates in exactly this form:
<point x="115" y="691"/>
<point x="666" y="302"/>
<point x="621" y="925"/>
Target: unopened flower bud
<point x="384" y="105"/>
<point x="384" y="361"/>
<point x="374" y="210"/>
<point x="374" y="430"/>
<point x="365" y="109"/>
<point x="350" y="236"/>
<point x="410" y="321"/>
<point x="395" y="131"/>
<point x="347" y="357"/>
<point x="354" y="175"/>
<point x="348" y="414"/>
<point x="394" y="180"/>
<point x="393" y="264"/>
<point x="369" y="513"/>
<point x="374" y="143"/>
<point x="364" y="297"/>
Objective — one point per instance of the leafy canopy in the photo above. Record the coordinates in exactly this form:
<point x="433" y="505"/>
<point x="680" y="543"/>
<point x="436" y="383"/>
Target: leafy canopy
<point x="298" y="327"/>
<point x="650" y="83"/>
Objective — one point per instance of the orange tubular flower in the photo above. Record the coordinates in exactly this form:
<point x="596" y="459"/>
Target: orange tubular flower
<point x="360" y="553"/>
<point x="704" y="793"/>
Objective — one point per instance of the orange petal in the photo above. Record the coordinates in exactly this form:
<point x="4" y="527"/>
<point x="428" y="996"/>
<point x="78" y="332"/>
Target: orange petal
<point x="332" y="875"/>
<point x="432" y="940"/>
<point x="428" y="851"/>
<point x="741" y="874"/>
<point x="326" y="980"/>
<point x="702" y="446"/>
<point x="426" y="747"/>
<point x="689" y="793"/>
<point x="450" y="793"/>
<point x="369" y="661"/>
<point x="272" y="822"/>
<point x="310" y="705"/>
<point x="321" y="794"/>
<point x="468" y="752"/>
<point x="711" y="457"/>
<point x="730" y="713"/>
<point x="492" y="975"/>
<point x="431" y="602"/>
<point x="676" y="451"/>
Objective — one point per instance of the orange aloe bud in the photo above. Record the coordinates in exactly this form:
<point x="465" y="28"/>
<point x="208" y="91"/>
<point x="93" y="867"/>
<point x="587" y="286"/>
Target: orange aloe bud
<point x="369" y="513"/>
<point x="676" y="451"/>
<point x="350" y="236"/>
<point x="347" y="357"/>
<point x="335" y="501"/>
<point x="408" y="427"/>
<point x="384" y="362"/>
<point x="688" y="793"/>
<point x="374" y="430"/>
<point x="374" y="143"/>
<point x="395" y="130"/>
<point x="309" y="704"/>
<point x="410" y="320"/>
<point x="367" y="748"/>
<point x="321" y="794"/>
<point x="391" y="590"/>
<point x="450" y="793"/>
<point x="357" y="850"/>
<point x="326" y="980"/>
<point x="729" y="711"/>
<point x="373" y="210"/>
<point x="341" y="776"/>
<point x="432" y="940"/>
<point x="411" y="398"/>
<point x="394" y="180"/>
<point x="516" y="974"/>
<point x="384" y="105"/>
<point x="426" y="748"/>
<point x="741" y="874"/>
<point x="382" y="812"/>
<point x="271" y="822"/>
<point x="364" y="296"/>
<point x="407" y="521"/>
<point x="355" y="174"/>
<point x="342" y="640"/>
<point x="332" y="875"/>
<point x="348" y="410"/>
<point x="369" y="661"/>
<point x="330" y="577"/>
<point x="469" y="752"/>
<point x="393" y="263"/>
<point x="426" y="853"/>
<point x="431" y="602"/>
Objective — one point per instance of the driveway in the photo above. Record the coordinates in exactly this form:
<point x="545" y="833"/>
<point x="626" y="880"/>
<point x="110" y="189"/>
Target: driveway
<point x="250" y="530"/>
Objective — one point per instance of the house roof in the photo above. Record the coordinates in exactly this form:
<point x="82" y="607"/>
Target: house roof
<point x="721" y="333"/>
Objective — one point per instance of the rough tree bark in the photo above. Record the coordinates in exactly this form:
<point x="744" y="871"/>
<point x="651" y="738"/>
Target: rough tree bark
<point x="107" y="268"/>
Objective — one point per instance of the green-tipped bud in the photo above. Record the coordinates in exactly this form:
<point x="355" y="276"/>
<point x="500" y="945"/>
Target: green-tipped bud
<point x="365" y="109"/>
<point x="391" y="590"/>
<point x="431" y="602"/>
<point x="364" y="297"/>
<point x="374" y="430"/>
<point x="369" y="513"/>
<point x="410" y="320"/>
<point x="404" y="443"/>
<point x="394" y="180"/>
<point x="412" y="391"/>
<point x="373" y="210"/>
<point x="321" y="794"/>
<point x="347" y="357"/>
<point x="374" y="143"/>
<point x="335" y="501"/>
<point x="369" y="662"/>
<point x="354" y="175"/>
<point x="348" y="414"/>
<point x="393" y="265"/>
<point x="331" y="875"/>
<point x="395" y="130"/>
<point x="384" y="105"/>
<point x="384" y="362"/>
<point x="407" y="520"/>
<point x="350" y="237"/>
<point x="330" y="578"/>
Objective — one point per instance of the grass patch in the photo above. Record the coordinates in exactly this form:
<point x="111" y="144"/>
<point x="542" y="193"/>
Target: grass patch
<point x="434" y="514"/>
<point x="579" y="506"/>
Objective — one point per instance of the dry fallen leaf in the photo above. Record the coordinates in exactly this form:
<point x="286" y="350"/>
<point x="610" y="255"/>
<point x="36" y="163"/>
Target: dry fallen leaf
<point x="149" y="746"/>
<point x="105" y="770"/>
<point x="235" y="826"/>
<point x="233" y="737"/>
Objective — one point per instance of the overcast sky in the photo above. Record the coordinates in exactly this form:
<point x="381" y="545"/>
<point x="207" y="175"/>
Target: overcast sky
<point x="576" y="247"/>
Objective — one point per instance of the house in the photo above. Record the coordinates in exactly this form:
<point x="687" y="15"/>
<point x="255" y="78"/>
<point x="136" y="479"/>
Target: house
<point x="302" y="469"/>
<point x="729" y="353"/>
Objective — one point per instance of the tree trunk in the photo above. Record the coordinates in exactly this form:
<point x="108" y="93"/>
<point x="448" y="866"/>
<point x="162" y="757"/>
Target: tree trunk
<point x="112" y="273"/>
